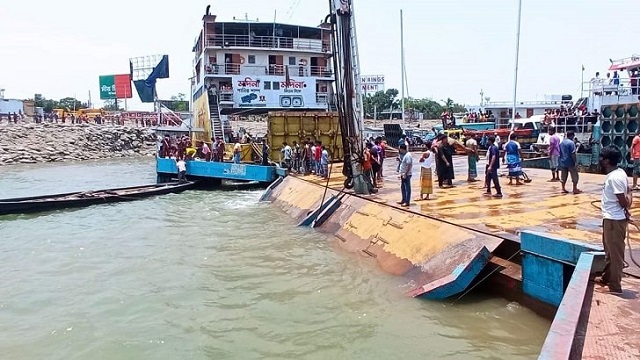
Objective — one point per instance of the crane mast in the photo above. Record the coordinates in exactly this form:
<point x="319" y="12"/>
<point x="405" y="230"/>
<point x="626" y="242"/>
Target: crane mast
<point x="349" y="93"/>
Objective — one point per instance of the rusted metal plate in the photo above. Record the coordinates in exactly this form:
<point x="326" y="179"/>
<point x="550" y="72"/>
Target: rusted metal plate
<point x="612" y="331"/>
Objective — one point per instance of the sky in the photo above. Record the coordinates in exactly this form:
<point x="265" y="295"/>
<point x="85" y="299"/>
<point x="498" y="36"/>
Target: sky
<point x="453" y="48"/>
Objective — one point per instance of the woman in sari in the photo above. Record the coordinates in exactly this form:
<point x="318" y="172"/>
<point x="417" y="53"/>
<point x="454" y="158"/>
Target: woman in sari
<point x="513" y="155"/>
<point x="444" y="162"/>
<point x="426" y="173"/>
<point x="472" y="151"/>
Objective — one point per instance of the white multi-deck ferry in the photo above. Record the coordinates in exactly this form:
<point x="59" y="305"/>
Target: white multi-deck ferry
<point x="247" y="67"/>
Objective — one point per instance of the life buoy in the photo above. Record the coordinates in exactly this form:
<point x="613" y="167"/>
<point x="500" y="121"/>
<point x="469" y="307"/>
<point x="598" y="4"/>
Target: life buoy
<point x="241" y="59"/>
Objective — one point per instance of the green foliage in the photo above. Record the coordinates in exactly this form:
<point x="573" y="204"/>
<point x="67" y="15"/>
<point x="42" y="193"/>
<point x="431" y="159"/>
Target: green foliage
<point x="388" y="100"/>
<point x="179" y="103"/>
<point x="67" y="103"/>
<point x="112" y="105"/>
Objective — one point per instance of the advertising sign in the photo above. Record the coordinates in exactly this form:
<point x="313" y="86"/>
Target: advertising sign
<point x="275" y="92"/>
<point x="372" y="83"/>
<point x="115" y="87"/>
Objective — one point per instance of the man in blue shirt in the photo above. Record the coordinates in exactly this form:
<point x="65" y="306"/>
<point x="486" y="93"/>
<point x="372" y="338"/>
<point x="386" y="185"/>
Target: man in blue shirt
<point x="406" y="167"/>
<point x="567" y="163"/>
<point x="493" y="163"/>
<point x="401" y="141"/>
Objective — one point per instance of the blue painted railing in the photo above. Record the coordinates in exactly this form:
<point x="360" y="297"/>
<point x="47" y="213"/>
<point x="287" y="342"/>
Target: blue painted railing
<point x="220" y="170"/>
<point x="561" y="337"/>
<point x="547" y="262"/>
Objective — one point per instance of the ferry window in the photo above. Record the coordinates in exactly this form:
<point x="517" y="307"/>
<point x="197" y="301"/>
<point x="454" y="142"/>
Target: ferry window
<point x="292" y="60"/>
<point x="276" y="85"/>
<point x="251" y="59"/>
<point x="267" y="85"/>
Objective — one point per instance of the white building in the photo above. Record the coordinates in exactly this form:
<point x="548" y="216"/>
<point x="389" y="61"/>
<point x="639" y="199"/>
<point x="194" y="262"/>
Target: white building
<point x="254" y="67"/>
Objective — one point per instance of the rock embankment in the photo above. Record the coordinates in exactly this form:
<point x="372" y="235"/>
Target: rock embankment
<point x="38" y="143"/>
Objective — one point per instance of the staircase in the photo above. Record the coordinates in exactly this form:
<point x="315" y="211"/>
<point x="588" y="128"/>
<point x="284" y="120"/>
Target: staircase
<point x="169" y="117"/>
<point x="217" y="127"/>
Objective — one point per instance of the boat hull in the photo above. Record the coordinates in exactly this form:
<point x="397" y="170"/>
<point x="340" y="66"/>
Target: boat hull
<point x="37" y="204"/>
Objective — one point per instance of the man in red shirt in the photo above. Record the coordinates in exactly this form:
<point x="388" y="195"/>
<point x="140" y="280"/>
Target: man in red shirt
<point x="635" y="157"/>
<point x="367" y="167"/>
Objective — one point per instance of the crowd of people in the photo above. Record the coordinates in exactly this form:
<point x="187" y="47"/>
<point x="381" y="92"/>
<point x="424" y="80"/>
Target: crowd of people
<point x="616" y="192"/>
<point x="307" y="157"/>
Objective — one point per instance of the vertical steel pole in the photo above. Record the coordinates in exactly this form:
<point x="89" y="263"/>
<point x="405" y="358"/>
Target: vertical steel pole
<point x="515" y="75"/>
<point x="402" y="60"/>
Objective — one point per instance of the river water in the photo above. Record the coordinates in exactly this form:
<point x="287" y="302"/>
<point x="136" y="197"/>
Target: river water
<point x="213" y="275"/>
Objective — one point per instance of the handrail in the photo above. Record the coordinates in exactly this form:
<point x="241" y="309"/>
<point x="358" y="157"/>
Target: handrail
<point x="269" y="69"/>
<point x="174" y="118"/>
<point x="561" y="337"/>
<point x="525" y="103"/>
<point x="272" y="42"/>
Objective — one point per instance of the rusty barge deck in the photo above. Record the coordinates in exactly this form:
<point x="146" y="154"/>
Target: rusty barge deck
<point x="607" y="323"/>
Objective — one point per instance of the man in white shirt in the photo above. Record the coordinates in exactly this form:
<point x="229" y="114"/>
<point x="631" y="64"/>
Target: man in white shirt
<point x="237" y="153"/>
<point x="182" y="171"/>
<point x="616" y="200"/>
<point x="286" y="152"/>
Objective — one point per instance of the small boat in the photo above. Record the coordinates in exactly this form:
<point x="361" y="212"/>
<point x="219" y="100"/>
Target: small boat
<point x="87" y="198"/>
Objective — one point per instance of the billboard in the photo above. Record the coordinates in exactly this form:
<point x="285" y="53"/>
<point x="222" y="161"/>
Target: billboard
<point x="115" y="87"/>
<point x="275" y="92"/>
<point x="372" y="83"/>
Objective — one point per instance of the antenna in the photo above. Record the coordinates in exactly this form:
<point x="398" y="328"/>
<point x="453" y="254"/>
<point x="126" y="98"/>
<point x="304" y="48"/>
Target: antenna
<point x="245" y="19"/>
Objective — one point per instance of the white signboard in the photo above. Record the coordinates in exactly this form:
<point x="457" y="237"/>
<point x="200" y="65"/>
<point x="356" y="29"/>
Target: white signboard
<point x="275" y="92"/>
<point x="372" y="83"/>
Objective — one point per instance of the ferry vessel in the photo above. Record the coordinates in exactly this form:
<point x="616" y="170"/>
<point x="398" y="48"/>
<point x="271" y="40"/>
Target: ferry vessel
<point x="606" y="113"/>
<point x="246" y="67"/>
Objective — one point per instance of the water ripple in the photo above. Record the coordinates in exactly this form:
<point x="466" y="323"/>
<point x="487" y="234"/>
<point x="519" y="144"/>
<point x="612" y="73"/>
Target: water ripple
<point x="213" y="275"/>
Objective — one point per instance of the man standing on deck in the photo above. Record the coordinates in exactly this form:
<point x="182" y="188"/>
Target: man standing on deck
<point x="554" y="154"/>
<point x="401" y="142"/>
<point x="182" y="170"/>
<point x="406" y="166"/>
<point x="635" y="156"/>
<point x="567" y="163"/>
<point x="616" y="201"/>
<point x="237" y="153"/>
<point x="493" y="163"/>
<point x="286" y="153"/>
<point x="324" y="162"/>
<point x="383" y="154"/>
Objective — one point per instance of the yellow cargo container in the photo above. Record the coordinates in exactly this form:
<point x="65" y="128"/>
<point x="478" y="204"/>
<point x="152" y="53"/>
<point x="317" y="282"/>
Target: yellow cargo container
<point x="298" y="126"/>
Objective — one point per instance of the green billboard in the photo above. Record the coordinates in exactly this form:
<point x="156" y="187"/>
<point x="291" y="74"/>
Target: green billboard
<point x="115" y="87"/>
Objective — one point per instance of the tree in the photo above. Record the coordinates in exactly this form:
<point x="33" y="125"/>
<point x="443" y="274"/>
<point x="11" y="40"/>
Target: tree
<point x="388" y="100"/>
<point x="179" y="97"/>
<point x="179" y="103"/>
<point x="380" y="101"/>
<point x="71" y="104"/>
<point x="112" y="105"/>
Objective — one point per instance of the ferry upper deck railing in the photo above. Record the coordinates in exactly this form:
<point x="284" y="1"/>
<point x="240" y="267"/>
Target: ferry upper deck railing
<point x="509" y="104"/>
<point x="272" y="69"/>
<point x="606" y="86"/>
<point x="269" y="42"/>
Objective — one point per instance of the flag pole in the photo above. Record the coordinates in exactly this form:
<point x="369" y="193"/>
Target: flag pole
<point x="402" y="62"/>
<point x="515" y="76"/>
<point x="582" y="82"/>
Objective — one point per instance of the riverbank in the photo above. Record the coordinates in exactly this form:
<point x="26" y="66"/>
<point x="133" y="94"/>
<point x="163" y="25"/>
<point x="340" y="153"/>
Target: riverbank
<point x="40" y="143"/>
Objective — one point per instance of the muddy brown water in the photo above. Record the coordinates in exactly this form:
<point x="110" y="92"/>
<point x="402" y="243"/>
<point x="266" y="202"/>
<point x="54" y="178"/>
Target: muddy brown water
<point x="214" y="275"/>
